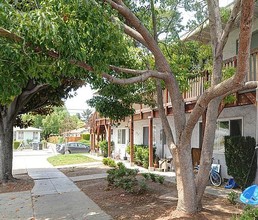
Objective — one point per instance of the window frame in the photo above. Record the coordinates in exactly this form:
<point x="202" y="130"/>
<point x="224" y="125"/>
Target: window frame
<point x="218" y="121"/>
<point x="120" y="133"/>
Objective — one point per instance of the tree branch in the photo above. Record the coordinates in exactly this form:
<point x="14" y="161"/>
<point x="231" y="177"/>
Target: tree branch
<point x="136" y="79"/>
<point x="151" y="44"/>
<point x="215" y="23"/>
<point x="247" y="11"/>
<point x="130" y="31"/>
<point x="126" y="70"/>
<point x="163" y="118"/>
<point x="134" y="34"/>
<point x="21" y="100"/>
<point x="9" y="35"/>
<point x="229" y="25"/>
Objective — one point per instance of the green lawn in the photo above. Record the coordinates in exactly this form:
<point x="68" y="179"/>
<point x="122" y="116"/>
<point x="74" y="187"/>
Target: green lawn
<point x="67" y="159"/>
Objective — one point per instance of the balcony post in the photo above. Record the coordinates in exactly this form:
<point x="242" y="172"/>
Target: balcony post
<point x="150" y="143"/>
<point x="131" y="141"/>
<point x="109" y="139"/>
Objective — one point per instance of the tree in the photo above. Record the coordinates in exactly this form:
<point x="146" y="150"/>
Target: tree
<point x="42" y="49"/>
<point x="86" y="114"/>
<point x="209" y="101"/>
<point x="179" y="143"/>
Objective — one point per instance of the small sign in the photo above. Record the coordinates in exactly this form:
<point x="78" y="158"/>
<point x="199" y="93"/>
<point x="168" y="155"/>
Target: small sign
<point x="216" y="167"/>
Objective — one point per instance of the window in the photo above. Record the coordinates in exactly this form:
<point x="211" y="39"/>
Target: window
<point x="35" y="135"/>
<point x="121" y="136"/>
<point x="222" y="130"/>
<point x="20" y="135"/>
<point x="145" y="140"/>
<point x="232" y="127"/>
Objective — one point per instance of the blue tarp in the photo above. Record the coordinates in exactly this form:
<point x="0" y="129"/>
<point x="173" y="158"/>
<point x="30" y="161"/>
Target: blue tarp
<point x="231" y="184"/>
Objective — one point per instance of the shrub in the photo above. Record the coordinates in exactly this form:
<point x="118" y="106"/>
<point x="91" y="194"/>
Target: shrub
<point x="86" y="137"/>
<point x="141" y="154"/>
<point x="61" y="140"/>
<point x="250" y="212"/>
<point x="146" y="176"/>
<point x="16" y="144"/>
<point x="161" y="179"/>
<point x="126" y="179"/>
<point x="103" y="145"/>
<point x="155" y="178"/>
<point x="239" y="152"/>
<point x="232" y="197"/>
<point x="109" y="162"/>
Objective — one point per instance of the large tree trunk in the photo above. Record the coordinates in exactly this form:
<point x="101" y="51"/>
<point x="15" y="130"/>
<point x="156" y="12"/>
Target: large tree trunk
<point x="207" y="149"/>
<point x="6" y="150"/>
<point x="185" y="179"/>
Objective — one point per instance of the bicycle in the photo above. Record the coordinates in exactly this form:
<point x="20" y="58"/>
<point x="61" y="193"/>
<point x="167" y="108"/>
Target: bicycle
<point x="214" y="176"/>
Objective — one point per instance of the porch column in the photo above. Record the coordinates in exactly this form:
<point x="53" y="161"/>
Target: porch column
<point x="91" y="140"/>
<point x="131" y="141"/>
<point x="150" y="143"/>
<point x="109" y="139"/>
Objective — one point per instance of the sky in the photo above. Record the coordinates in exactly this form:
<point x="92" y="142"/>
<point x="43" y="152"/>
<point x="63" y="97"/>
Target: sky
<point x="78" y="103"/>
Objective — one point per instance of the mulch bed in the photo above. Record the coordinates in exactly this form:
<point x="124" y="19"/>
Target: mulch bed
<point x="158" y="202"/>
<point x="22" y="182"/>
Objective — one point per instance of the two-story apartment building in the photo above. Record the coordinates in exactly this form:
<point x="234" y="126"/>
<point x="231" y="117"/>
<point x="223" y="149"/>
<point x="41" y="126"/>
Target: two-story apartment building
<point x="238" y="118"/>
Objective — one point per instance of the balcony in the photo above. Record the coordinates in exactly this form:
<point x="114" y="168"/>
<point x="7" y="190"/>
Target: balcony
<point x="198" y="86"/>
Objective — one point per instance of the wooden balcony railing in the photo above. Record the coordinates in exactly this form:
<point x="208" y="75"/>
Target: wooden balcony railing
<point x="197" y="85"/>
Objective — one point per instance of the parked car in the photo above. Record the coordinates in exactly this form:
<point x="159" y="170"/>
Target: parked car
<point x="72" y="147"/>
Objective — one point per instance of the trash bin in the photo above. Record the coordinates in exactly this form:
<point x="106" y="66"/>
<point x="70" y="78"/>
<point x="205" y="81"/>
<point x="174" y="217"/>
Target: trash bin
<point x="40" y="146"/>
<point x="35" y="146"/>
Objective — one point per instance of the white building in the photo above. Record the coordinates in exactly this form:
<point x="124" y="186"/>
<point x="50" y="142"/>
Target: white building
<point x="29" y="134"/>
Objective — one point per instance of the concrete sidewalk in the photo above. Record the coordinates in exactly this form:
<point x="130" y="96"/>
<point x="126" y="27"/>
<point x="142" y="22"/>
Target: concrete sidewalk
<point x="53" y="197"/>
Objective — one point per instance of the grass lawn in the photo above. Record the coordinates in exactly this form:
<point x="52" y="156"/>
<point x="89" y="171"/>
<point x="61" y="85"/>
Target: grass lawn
<point x="67" y="159"/>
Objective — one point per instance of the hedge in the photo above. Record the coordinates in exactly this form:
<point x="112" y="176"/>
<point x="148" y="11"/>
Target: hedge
<point x="239" y="152"/>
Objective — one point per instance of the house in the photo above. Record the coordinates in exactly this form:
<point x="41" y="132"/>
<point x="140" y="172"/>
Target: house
<point x="75" y="135"/>
<point x="238" y="118"/>
<point x="26" y="135"/>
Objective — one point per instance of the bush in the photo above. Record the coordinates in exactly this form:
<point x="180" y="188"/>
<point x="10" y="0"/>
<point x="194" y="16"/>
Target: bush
<point x="232" y="197"/>
<point x="250" y="212"/>
<point x="126" y="179"/>
<point x="109" y="162"/>
<point x="103" y="145"/>
<point x="141" y="154"/>
<point x="146" y="176"/>
<point x="86" y="137"/>
<point x="16" y="144"/>
<point x="161" y="179"/>
<point x="239" y="152"/>
<point x="155" y="178"/>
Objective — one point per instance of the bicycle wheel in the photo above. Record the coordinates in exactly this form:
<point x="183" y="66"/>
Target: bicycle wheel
<point x="215" y="178"/>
